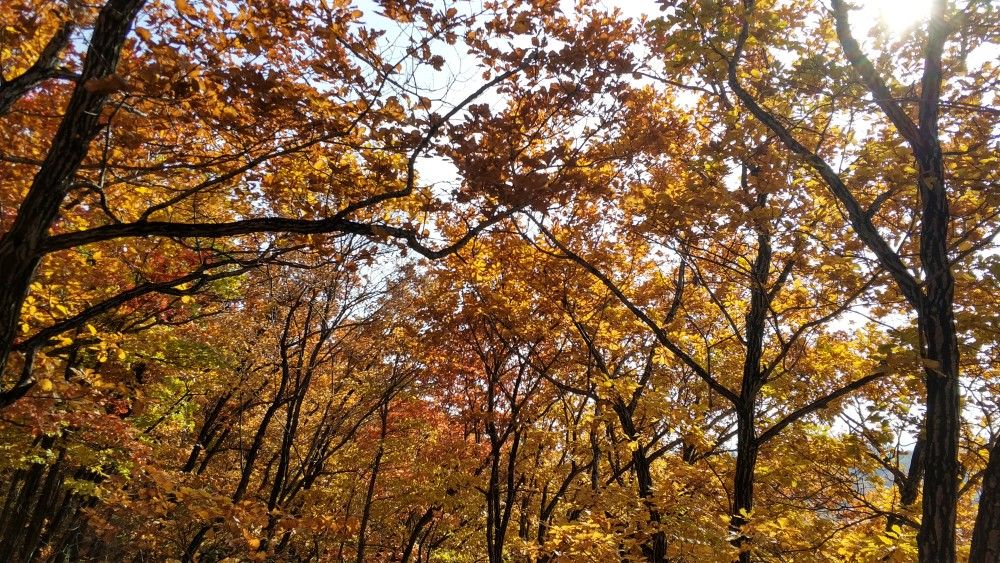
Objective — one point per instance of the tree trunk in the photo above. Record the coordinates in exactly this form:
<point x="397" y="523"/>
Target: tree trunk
<point x="21" y="248"/>
<point x="655" y="550"/>
<point x="415" y="533"/>
<point x="370" y="493"/>
<point x="746" y="464"/>
<point x="752" y="381"/>
<point x="986" y="535"/>
<point x="936" y="319"/>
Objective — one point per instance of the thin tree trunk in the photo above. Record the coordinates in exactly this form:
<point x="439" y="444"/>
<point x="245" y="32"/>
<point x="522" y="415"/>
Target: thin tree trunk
<point x="743" y="481"/>
<point x="415" y="533"/>
<point x="655" y="550"/>
<point x="746" y="409"/>
<point x="370" y="494"/>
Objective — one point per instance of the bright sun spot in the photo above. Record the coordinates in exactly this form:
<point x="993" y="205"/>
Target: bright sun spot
<point x="900" y="15"/>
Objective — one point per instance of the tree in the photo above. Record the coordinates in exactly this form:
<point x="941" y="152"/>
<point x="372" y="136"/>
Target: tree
<point x="418" y="281"/>
<point x="168" y="145"/>
<point x="918" y="121"/>
<point x="765" y="297"/>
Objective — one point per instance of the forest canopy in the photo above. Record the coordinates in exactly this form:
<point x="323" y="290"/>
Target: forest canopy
<point x="499" y="280"/>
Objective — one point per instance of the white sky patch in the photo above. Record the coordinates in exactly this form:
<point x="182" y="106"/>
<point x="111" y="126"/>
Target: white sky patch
<point x="898" y="16"/>
<point x="441" y="174"/>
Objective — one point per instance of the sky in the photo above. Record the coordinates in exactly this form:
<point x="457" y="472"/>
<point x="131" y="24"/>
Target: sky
<point x="896" y="16"/>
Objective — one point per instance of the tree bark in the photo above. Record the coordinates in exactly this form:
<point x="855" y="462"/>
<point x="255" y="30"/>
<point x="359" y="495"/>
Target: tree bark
<point x="370" y="493"/>
<point x="933" y="300"/>
<point x="22" y="247"/>
<point x="986" y="535"/>
<point x="936" y="319"/>
<point x="743" y="481"/>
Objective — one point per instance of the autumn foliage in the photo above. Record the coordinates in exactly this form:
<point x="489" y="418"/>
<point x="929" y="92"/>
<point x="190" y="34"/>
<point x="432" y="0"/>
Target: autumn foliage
<point x="517" y="280"/>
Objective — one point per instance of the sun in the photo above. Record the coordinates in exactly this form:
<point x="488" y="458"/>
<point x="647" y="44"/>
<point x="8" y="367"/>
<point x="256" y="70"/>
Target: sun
<point x="900" y="16"/>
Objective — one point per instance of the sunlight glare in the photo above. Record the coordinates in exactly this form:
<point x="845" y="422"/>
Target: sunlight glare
<point x="901" y="15"/>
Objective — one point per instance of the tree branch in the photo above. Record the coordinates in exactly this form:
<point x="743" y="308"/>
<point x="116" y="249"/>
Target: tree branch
<point x="42" y="69"/>
<point x="660" y="334"/>
<point x="859" y="219"/>
<point x="817" y="404"/>
<point x="329" y="225"/>
<point x="863" y="66"/>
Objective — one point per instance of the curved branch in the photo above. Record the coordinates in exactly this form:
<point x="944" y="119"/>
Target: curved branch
<point x="864" y="67"/>
<point x="660" y="334"/>
<point x="23" y="385"/>
<point x="330" y="225"/>
<point x="171" y="287"/>
<point x="42" y="69"/>
<point x="817" y="404"/>
<point x="859" y="219"/>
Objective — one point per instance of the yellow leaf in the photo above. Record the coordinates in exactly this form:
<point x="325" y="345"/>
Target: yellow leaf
<point x="90" y="327"/>
<point x="394" y="109"/>
<point x="185" y="8"/>
<point x="45" y="385"/>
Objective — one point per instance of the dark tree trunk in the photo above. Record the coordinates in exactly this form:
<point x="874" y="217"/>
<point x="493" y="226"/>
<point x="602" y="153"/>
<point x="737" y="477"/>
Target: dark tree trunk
<point x="655" y="550"/>
<point x="743" y="483"/>
<point x="936" y="320"/>
<point x="931" y="298"/>
<point x="986" y="535"/>
<point x="207" y="432"/>
<point x="415" y="533"/>
<point x="21" y="248"/>
<point x="372" y="480"/>
<point x="752" y="381"/>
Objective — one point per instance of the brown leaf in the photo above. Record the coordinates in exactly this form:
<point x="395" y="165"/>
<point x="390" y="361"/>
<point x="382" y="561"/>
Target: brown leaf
<point x="106" y="85"/>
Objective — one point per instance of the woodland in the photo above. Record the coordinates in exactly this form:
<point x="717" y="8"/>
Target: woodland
<point x="499" y="280"/>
